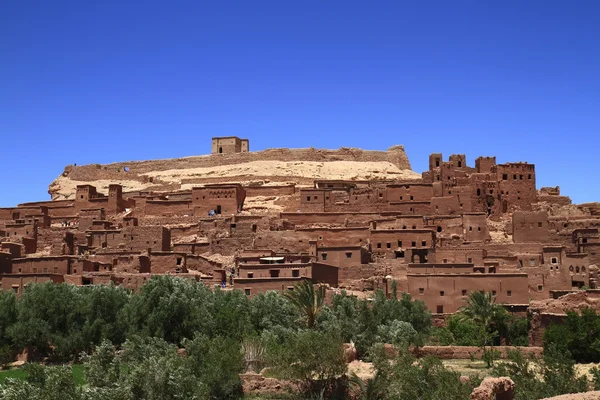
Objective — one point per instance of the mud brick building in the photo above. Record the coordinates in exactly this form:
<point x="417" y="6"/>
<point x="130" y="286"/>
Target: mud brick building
<point x="350" y="219"/>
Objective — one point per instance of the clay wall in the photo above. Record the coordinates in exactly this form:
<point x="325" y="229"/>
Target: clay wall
<point x="446" y="293"/>
<point x="517" y="184"/>
<point x="191" y="248"/>
<point x="200" y="263"/>
<point x="409" y="192"/>
<point x="168" y="207"/>
<point x="17" y="282"/>
<point x="445" y="225"/>
<point x="447" y="205"/>
<point x="130" y="263"/>
<point x="223" y="199"/>
<point x="339" y="218"/>
<point x="183" y="231"/>
<point x="475" y="227"/>
<point x="43" y="265"/>
<point x="16" y="250"/>
<point x="485" y="164"/>
<point x="390" y="242"/>
<point x="138" y="238"/>
<point x="254" y="191"/>
<point x="329" y="237"/>
<point x="325" y="273"/>
<point x="411" y="208"/>
<point x="530" y="227"/>
<point x="167" y="262"/>
<point x="314" y="200"/>
<point x="274" y="271"/>
<point x="5" y="262"/>
<point x="20" y="230"/>
<point x="254" y="286"/>
<point x="229" y="145"/>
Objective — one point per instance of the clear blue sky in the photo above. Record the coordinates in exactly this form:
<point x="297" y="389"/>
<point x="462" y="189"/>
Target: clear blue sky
<point x="104" y="81"/>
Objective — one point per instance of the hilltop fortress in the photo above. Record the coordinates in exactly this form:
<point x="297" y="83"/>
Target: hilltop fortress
<point x="347" y="218"/>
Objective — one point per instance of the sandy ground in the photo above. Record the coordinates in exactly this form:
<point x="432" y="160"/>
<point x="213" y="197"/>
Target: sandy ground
<point x="347" y="170"/>
<point x="68" y="186"/>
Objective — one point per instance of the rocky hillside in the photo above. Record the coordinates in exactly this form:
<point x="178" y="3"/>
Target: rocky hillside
<point x="268" y="167"/>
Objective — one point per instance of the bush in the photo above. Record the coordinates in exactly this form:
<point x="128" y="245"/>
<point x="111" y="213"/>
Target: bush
<point x="316" y="359"/>
<point x="406" y="378"/>
<point x="552" y="376"/>
<point x="579" y="336"/>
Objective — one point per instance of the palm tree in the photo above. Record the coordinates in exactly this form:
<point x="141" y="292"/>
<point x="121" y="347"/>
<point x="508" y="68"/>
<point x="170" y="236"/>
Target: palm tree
<point x="308" y="300"/>
<point x="481" y="308"/>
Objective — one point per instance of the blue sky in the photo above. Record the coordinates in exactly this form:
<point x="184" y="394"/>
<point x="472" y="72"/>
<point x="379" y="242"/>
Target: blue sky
<point x="97" y="82"/>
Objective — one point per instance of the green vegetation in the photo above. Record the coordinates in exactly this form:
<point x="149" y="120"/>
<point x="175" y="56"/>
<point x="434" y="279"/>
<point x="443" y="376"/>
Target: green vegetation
<point x="177" y="339"/>
<point x="482" y="322"/>
<point x="579" y="336"/>
<point x="534" y="379"/>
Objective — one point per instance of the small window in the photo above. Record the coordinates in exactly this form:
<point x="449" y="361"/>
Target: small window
<point x="307" y="198"/>
<point x="178" y="260"/>
<point x="509" y="293"/>
<point x="439" y="228"/>
<point x="323" y="256"/>
<point x="296" y="273"/>
<point x="469" y="260"/>
<point x="540" y="288"/>
<point x="424" y="243"/>
<point x="414" y="244"/>
<point x="554" y="260"/>
<point x="470" y="228"/>
<point x="388" y="245"/>
<point x="247" y="292"/>
<point x="421" y="290"/>
<point x="250" y="275"/>
<point x="399" y="243"/>
<point x="349" y="254"/>
<point x="539" y="224"/>
<point x="440" y="309"/>
<point x="378" y="245"/>
<point x="504" y="177"/>
<point x="464" y="292"/>
<point x="411" y="197"/>
<point x="441" y="292"/>
<point x="493" y="292"/>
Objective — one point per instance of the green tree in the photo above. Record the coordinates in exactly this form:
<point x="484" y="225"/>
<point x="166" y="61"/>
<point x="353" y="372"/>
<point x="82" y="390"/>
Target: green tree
<point x="405" y="378"/>
<point x="482" y="310"/>
<point x="170" y="308"/>
<point x="308" y="300"/>
<point x="216" y="363"/>
<point x="553" y="375"/>
<point x="271" y="309"/>
<point x="8" y="316"/>
<point x="579" y="335"/>
<point x="315" y="358"/>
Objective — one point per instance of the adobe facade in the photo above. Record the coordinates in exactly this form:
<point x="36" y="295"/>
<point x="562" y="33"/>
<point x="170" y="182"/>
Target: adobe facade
<point x="452" y="230"/>
<point x="229" y="144"/>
